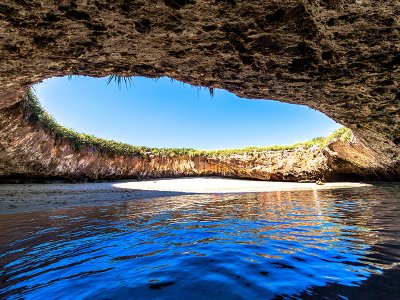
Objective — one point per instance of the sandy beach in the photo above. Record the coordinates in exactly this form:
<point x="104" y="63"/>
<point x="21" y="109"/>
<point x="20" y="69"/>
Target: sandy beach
<point x="15" y="198"/>
<point x="226" y="185"/>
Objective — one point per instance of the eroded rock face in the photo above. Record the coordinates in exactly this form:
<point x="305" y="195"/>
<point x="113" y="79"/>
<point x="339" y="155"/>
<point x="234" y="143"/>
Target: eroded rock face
<point x="30" y="151"/>
<point x="341" y="57"/>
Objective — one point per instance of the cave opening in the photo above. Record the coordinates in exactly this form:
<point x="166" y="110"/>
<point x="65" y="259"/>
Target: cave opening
<point x="165" y="113"/>
<point x="113" y="127"/>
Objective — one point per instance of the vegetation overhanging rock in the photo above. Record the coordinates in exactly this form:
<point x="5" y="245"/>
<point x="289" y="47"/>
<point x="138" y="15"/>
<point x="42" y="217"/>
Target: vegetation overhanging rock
<point x="34" y="145"/>
<point x="35" y="113"/>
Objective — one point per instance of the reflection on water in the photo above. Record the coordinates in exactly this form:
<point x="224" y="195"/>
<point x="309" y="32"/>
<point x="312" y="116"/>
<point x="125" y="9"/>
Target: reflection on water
<point x="237" y="246"/>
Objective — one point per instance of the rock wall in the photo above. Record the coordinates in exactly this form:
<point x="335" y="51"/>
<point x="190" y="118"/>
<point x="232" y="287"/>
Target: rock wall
<point x="31" y="151"/>
<point x="341" y="57"/>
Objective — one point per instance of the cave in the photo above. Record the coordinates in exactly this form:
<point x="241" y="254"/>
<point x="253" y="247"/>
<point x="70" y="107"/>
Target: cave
<point x="188" y="238"/>
<point x="328" y="55"/>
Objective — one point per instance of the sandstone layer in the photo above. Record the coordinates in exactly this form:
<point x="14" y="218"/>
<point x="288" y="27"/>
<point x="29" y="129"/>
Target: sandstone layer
<point x="341" y="57"/>
<point x="32" y="151"/>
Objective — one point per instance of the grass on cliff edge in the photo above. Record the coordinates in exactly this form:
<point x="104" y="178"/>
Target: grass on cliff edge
<point x="37" y="115"/>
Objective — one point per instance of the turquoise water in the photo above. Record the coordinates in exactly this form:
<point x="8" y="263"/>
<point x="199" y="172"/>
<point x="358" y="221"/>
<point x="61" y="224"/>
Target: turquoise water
<point x="337" y="244"/>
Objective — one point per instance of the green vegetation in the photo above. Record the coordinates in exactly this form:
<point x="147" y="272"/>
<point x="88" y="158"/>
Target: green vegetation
<point x="36" y="114"/>
<point x="127" y="80"/>
<point x="342" y="133"/>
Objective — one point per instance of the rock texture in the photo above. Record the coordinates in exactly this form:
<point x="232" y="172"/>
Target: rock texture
<point x="341" y="57"/>
<point x="31" y="151"/>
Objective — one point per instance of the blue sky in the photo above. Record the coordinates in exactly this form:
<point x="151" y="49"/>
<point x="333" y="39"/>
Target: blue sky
<point x="165" y="113"/>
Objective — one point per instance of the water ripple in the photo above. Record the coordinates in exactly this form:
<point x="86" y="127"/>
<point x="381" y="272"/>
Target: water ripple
<point x="240" y="246"/>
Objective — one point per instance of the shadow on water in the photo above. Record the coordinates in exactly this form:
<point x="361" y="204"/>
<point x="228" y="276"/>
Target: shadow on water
<point x="382" y="286"/>
<point x="15" y="198"/>
<point x="272" y="245"/>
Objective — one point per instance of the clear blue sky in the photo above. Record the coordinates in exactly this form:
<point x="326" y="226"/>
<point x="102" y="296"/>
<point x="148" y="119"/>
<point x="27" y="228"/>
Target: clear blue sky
<point x="165" y="113"/>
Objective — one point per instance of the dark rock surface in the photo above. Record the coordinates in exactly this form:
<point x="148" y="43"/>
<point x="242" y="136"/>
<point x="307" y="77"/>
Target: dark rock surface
<point x="341" y="57"/>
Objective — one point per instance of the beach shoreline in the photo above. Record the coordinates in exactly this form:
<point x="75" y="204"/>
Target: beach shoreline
<point x="19" y="198"/>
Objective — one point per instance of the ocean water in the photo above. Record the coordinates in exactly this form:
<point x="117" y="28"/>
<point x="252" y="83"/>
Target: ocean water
<point x="332" y="244"/>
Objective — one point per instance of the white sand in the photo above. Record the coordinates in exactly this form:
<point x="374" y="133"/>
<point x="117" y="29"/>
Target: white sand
<point x="225" y="185"/>
<point x="15" y="198"/>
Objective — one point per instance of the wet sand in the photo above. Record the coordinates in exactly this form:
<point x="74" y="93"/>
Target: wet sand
<point x="16" y="198"/>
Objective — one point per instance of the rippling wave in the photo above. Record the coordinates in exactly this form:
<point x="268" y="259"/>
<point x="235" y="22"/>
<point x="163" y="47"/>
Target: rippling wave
<point x="338" y="243"/>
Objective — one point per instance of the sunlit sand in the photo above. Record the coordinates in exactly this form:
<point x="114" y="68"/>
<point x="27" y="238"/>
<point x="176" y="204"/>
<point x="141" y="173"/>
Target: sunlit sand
<point x="225" y="185"/>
